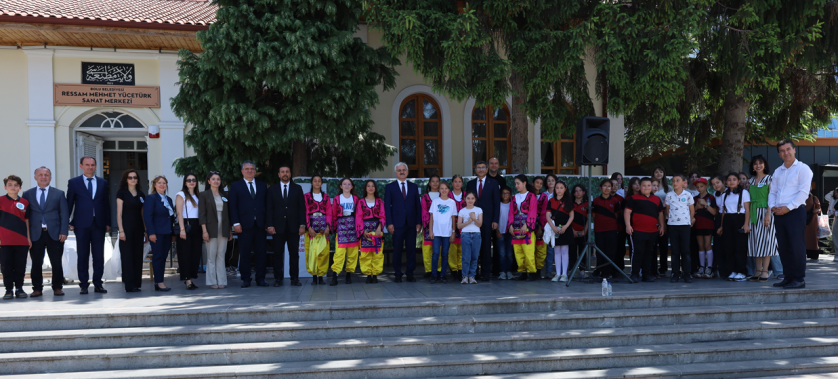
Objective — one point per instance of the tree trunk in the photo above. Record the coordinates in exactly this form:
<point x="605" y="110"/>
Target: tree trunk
<point x="300" y="158"/>
<point x="518" y="130"/>
<point x="733" y="138"/>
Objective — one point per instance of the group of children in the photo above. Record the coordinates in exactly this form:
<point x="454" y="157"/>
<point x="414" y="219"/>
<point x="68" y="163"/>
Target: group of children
<point x="651" y="216"/>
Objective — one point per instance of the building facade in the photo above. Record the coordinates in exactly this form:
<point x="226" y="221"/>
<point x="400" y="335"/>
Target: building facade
<point x="53" y="60"/>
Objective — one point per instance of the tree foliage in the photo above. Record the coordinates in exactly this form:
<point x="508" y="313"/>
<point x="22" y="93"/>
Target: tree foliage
<point x="761" y="70"/>
<point x="277" y="72"/>
<point x="535" y="51"/>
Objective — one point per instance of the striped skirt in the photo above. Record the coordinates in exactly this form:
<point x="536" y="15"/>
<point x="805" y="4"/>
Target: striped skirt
<point x="762" y="242"/>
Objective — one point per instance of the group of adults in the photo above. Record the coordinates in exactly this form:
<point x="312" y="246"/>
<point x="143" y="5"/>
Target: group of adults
<point x="207" y="219"/>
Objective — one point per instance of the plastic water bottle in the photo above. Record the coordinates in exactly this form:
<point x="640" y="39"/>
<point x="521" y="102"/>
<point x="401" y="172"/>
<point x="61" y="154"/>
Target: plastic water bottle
<point x="609" y="289"/>
<point x="604" y="287"/>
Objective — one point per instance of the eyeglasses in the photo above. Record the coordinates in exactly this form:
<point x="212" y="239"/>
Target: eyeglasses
<point x="133" y="178"/>
<point x="160" y="176"/>
<point x="192" y="180"/>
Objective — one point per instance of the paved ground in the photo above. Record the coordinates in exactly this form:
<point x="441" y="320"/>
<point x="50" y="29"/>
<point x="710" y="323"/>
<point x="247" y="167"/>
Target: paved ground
<point x="821" y="274"/>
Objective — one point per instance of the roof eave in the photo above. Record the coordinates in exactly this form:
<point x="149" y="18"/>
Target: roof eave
<point x="106" y="23"/>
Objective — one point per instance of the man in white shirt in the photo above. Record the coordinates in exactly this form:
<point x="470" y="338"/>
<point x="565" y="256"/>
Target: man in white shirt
<point x="789" y="189"/>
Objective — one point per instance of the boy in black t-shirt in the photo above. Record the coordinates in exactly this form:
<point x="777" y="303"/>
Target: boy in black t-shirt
<point x="645" y="228"/>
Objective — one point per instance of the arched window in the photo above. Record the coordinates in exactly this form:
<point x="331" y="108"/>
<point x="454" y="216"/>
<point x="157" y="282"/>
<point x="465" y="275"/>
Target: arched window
<point x="420" y="136"/>
<point x="559" y="157"/>
<point x="490" y="136"/>
<point x="111" y="120"/>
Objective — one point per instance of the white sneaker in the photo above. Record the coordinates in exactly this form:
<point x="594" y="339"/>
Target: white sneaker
<point x="563" y="278"/>
<point x="509" y="275"/>
<point x="505" y="276"/>
<point x="555" y="278"/>
<point x="732" y="275"/>
<point x="465" y="280"/>
<point x="471" y="280"/>
<point x="740" y="278"/>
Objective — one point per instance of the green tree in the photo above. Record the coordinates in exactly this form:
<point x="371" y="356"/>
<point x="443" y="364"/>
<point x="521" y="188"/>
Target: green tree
<point x="535" y="51"/>
<point x="280" y="81"/>
<point x="762" y="70"/>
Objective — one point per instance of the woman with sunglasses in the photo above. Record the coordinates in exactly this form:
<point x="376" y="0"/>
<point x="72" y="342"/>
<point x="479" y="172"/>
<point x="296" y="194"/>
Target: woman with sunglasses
<point x="190" y="243"/>
<point x="132" y="237"/>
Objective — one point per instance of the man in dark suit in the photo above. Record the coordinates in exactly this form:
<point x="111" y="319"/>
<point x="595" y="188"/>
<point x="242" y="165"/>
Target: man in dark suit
<point x="403" y="212"/>
<point x="494" y="173"/>
<point x="48" y="227"/>
<point x="287" y="223"/>
<point x="488" y="200"/>
<point x="247" y="212"/>
<point x="87" y="194"/>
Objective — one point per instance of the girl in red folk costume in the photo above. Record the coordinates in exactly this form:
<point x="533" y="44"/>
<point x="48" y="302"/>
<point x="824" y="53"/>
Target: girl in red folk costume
<point x="369" y="220"/>
<point x="540" y="246"/>
<point x="431" y="193"/>
<point x="560" y="217"/>
<point x="346" y="237"/>
<point x="455" y="252"/>
<point x="523" y="216"/>
<point x="318" y="224"/>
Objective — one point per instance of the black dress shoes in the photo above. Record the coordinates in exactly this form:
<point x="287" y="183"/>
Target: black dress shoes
<point x="157" y="288"/>
<point x="369" y="279"/>
<point x="334" y="280"/>
<point x="795" y="285"/>
<point x="320" y="280"/>
<point x="411" y="279"/>
<point x="348" y="278"/>
<point x="375" y="278"/>
<point x="314" y="280"/>
<point x="278" y="283"/>
<point x="398" y="279"/>
<point x="83" y="291"/>
<point x="296" y="282"/>
<point x="99" y="289"/>
<point x="245" y="284"/>
<point x="262" y="284"/>
<point x="782" y="283"/>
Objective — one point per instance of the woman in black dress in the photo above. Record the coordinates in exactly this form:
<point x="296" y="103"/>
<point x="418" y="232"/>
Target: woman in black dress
<point x="132" y="237"/>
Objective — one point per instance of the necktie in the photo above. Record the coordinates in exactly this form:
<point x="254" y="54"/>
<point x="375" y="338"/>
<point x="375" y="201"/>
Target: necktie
<point x="43" y="200"/>
<point x="252" y="191"/>
<point x="90" y="187"/>
<point x="404" y="192"/>
<point x="480" y="189"/>
<point x="285" y="191"/>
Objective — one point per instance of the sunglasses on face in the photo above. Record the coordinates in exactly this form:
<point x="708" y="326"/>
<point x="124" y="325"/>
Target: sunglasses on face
<point x="192" y="180"/>
<point x="133" y="177"/>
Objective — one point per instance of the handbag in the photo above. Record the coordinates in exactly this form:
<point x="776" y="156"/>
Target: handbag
<point x="823" y="227"/>
<point x="186" y="213"/>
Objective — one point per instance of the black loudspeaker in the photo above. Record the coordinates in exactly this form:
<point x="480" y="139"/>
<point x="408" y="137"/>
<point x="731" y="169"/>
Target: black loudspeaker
<point x="592" y="141"/>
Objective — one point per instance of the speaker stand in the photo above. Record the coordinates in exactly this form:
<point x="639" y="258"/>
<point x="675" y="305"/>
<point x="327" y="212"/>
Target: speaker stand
<point x="590" y="245"/>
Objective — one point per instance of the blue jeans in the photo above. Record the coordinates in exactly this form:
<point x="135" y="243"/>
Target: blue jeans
<point x="445" y="242"/>
<point x="507" y="255"/>
<point x="470" y="243"/>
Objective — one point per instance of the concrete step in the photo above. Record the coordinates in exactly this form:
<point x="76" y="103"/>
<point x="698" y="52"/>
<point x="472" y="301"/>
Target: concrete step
<point x="182" y="335"/>
<point x="796" y="368"/>
<point x="747" y="340"/>
<point x="700" y="360"/>
<point x="97" y="318"/>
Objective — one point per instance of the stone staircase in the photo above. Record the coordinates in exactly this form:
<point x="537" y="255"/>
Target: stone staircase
<point x="701" y="335"/>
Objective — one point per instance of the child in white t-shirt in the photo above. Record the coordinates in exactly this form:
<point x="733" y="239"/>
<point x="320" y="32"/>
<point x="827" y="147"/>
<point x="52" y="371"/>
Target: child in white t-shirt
<point x="442" y="223"/>
<point x="469" y="221"/>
